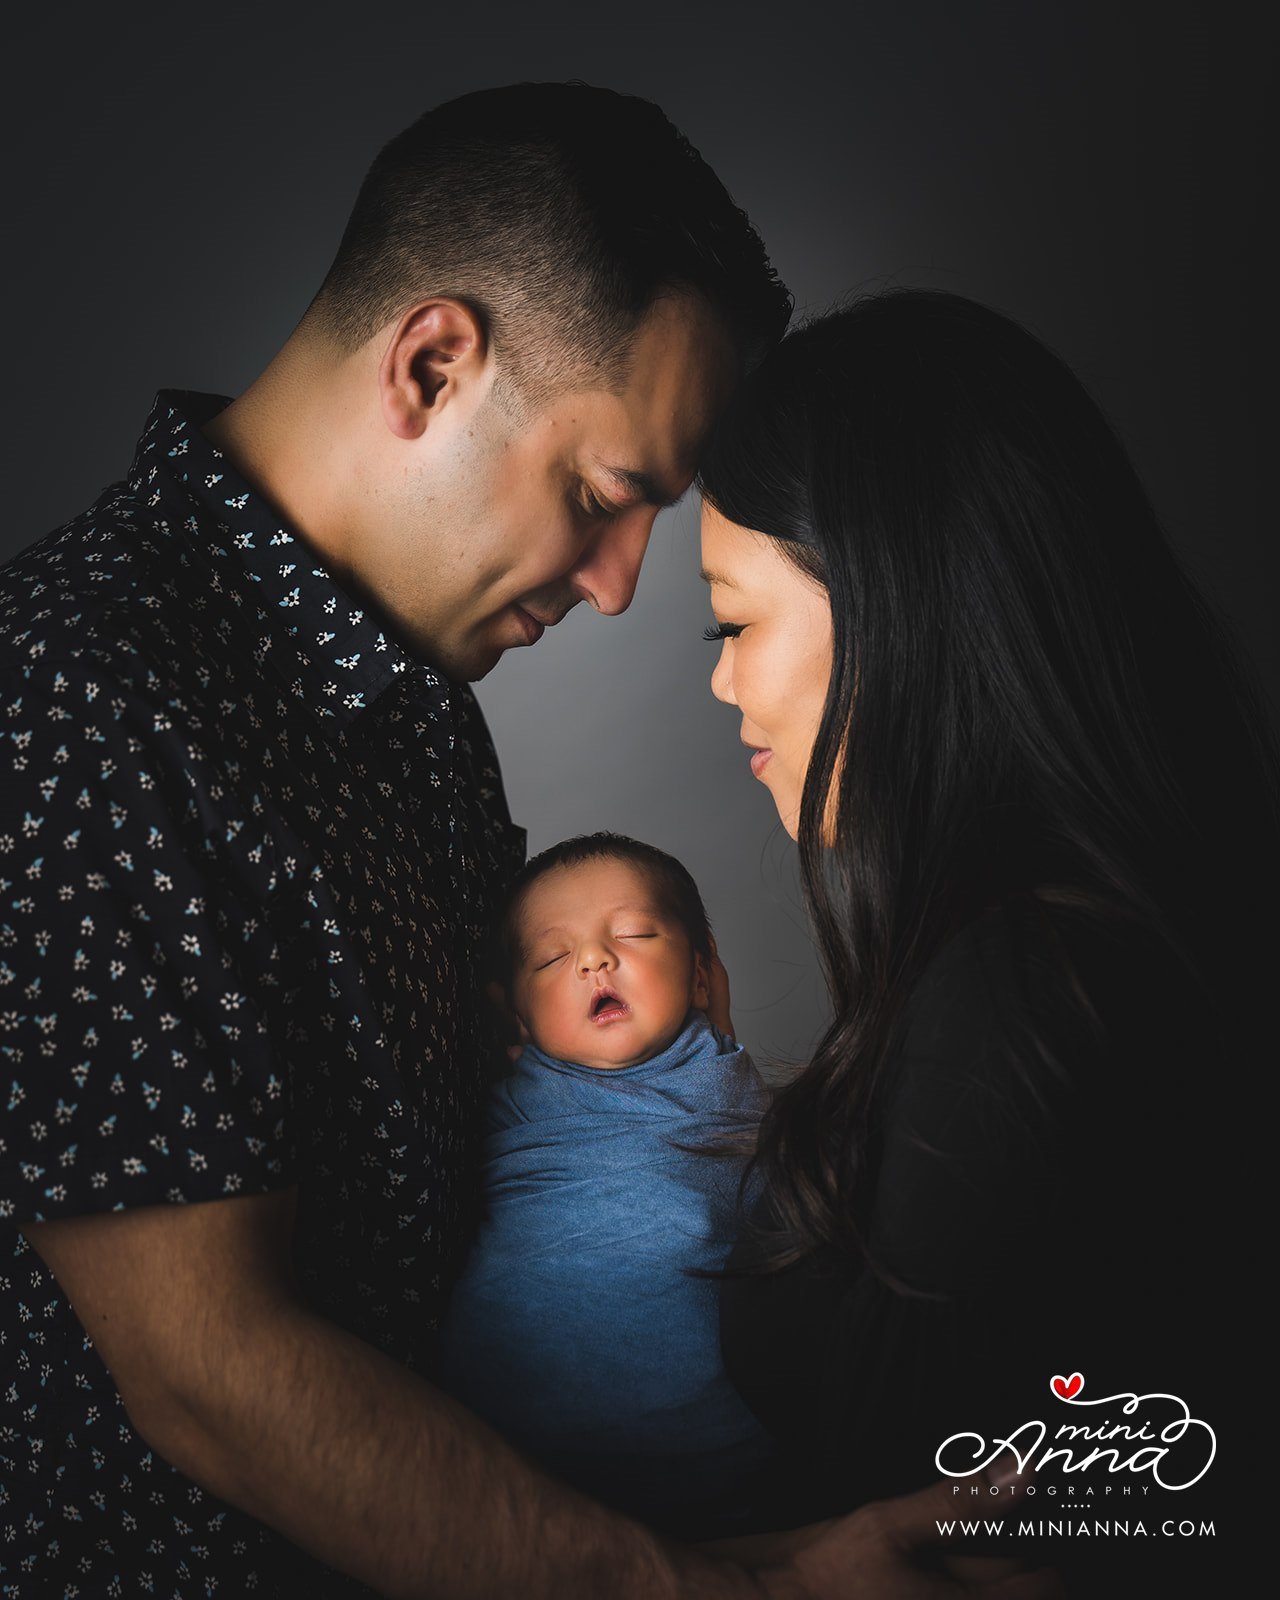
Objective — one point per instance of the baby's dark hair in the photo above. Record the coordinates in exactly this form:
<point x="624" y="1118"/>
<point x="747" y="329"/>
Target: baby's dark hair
<point x="669" y="879"/>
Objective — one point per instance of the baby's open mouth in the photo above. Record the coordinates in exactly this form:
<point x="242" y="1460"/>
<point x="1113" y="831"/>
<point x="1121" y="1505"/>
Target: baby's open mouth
<point x="606" y="1006"/>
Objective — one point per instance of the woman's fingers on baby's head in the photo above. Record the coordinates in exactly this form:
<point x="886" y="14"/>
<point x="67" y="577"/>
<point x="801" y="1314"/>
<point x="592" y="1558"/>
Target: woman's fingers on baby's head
<point x="718" y="983"/>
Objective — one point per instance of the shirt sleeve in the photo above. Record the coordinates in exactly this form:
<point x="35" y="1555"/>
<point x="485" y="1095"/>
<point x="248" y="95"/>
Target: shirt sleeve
<point x="135" y="1063"/>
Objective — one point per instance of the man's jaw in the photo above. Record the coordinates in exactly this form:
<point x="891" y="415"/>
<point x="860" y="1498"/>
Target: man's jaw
<point x="515" y="627"/>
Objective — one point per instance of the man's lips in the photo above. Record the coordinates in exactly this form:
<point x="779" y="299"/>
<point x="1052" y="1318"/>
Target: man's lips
<point x="535" y="625"/>
<point x="607" y="1006"/>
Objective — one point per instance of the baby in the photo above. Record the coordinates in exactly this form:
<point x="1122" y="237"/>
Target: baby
<point x="578" y="1329"/>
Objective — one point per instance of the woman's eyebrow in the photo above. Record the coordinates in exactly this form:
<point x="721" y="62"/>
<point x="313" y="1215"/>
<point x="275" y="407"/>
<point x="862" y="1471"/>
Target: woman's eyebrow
<point x="708" y="576"/>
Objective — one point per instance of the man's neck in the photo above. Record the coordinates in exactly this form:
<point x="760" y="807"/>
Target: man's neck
<point x="283" y="436"/>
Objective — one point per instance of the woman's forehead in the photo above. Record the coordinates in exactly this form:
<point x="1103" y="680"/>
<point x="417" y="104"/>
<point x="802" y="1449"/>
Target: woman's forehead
<point x="734" y="557"/>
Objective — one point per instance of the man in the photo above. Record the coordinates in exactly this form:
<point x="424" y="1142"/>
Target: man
<point x="254" y="832"/>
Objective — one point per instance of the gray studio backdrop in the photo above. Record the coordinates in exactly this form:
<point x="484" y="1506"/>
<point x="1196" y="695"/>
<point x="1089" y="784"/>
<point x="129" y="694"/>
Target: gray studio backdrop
<point x="179" y="181"/>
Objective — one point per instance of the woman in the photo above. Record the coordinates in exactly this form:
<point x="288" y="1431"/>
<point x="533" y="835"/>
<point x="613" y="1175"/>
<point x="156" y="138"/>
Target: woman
<point x="1034" y="801"/>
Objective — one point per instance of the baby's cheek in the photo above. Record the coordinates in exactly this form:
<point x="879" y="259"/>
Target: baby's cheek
<point x="551" y="1019"/>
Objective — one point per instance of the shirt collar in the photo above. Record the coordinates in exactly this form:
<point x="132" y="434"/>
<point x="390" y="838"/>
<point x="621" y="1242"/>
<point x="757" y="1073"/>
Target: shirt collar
<point x="339" y="653"/>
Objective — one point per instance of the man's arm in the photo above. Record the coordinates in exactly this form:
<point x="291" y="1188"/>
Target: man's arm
<point x="229" y="1377"/>
<point x="233" y="1380"/>
<point x="245" y="1391"/>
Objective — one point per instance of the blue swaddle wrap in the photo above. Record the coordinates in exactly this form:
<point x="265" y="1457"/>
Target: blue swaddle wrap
<point x="575" y="1329"/>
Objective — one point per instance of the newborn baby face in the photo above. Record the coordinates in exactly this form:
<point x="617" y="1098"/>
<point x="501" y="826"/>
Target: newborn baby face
<point x="605" y="975"/>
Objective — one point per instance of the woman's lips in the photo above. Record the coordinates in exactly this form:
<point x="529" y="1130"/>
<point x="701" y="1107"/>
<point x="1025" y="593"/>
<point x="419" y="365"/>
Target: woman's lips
<point x="759" y="761"/>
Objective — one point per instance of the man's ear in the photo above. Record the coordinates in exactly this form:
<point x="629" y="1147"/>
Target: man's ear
<point x="701" y="981"/>
<point x="439" y="348"/>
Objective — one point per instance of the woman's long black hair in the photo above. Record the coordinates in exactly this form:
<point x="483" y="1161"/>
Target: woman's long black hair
<point x="1030" y="703"/>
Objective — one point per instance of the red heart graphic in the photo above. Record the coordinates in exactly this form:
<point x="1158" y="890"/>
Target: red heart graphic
<point x="1068" y="1388"/>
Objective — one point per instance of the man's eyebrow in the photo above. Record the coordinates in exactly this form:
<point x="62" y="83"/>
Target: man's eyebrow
<point x="640" y="485"/>
<point x="708" y="576"/>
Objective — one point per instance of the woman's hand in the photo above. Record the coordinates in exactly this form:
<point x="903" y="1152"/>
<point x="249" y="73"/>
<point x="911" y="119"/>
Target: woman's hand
<point x="718" y="1001"/>
<point x="890" y="1550"/>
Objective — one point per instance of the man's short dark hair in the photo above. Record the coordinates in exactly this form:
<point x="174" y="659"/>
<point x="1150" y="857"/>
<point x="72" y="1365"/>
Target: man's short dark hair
<point x="668" y="879"/>
<point x="560" y="213"/>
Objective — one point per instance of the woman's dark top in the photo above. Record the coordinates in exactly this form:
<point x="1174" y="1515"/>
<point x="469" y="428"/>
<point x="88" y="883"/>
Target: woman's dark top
<point x="1042" y="1217"/>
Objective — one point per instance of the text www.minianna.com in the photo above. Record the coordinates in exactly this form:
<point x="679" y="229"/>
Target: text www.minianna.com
<point x="1123" y="1528"/>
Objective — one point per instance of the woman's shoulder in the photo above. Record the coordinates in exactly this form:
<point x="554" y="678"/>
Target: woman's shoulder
<point x="1023" y="969"/>
<point x="1029" y="1031"/>
<point x="1043" y="1072"/>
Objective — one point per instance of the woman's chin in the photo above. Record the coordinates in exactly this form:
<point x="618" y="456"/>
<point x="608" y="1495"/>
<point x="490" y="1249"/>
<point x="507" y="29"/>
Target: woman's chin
<point x="789" y="817"/>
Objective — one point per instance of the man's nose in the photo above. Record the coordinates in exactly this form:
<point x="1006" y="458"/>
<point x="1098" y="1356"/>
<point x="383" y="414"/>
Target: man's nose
<point x="607" y="575"/>
<point x="722" y="677"/>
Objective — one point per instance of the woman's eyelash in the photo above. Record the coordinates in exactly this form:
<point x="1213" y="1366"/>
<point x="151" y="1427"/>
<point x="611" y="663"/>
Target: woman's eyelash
<point x="722" y="630"/>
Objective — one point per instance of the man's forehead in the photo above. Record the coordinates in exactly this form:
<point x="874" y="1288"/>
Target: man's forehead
<point x="646" y="433"/>
<point x="635" y="457"/>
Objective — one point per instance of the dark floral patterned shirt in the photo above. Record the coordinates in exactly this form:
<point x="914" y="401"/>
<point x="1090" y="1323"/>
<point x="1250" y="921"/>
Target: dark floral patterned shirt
<point x="248" y="848"/>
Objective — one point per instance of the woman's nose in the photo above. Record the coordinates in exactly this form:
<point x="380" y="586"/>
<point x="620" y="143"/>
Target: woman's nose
<point x="722" y="677"/>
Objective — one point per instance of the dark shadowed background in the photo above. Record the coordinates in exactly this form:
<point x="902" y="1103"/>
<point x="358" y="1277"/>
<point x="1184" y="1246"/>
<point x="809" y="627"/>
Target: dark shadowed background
<point x="179" y="178"/>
